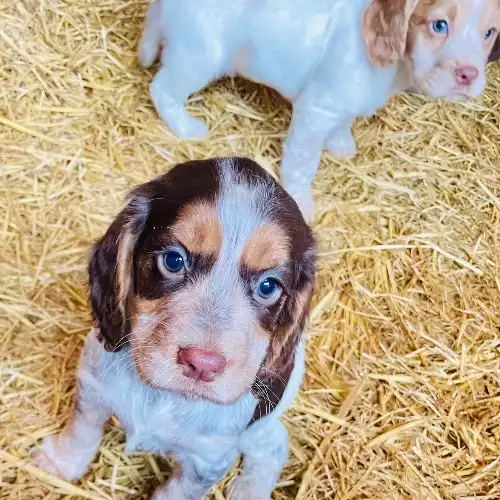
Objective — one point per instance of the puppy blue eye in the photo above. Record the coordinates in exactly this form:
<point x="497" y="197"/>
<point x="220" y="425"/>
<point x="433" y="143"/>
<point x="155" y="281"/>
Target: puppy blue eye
<point x="173" y="261"/>
<point x="268" y="288"/>
<point x="488" y="34"/>
<point x="268" y="292"/>
<point x="440" y="26"/>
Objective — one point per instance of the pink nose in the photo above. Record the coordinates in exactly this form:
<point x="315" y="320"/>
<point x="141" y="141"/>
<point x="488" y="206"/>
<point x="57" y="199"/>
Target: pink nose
<point x="465" y="75"/>
<point x="201" y="364"/>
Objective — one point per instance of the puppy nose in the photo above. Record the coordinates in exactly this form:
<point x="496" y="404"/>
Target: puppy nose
<point x="465" y="75"/>
<point x="201" y="364"/>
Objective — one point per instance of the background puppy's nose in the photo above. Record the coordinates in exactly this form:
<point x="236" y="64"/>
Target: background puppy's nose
<point x="201" y="364"/>
<point x="465" y="75"/>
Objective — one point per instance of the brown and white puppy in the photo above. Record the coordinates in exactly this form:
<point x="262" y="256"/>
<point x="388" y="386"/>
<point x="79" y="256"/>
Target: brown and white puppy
<point x="200" y="290"/>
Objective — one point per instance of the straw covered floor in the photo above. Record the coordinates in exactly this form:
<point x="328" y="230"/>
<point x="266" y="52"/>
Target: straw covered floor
<point x="402" y="394"/>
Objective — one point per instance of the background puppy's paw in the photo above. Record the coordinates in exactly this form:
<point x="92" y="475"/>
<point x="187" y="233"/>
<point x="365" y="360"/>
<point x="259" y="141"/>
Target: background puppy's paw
<point x="244" y="489"/>
<point x="147" y="53"/>
<point x="188" y="127"/>
<point x="42" y="461"/>
<point x="52" y="458"/>
<point x="306" y="204"/>
<point x="341" y="147"/>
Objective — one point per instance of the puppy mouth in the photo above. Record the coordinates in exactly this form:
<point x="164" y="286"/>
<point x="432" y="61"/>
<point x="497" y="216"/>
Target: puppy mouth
<point x="192" y="389"/>
<point x="453" y="94"/>
<point x="458" y="96"/>
<point x="200" y="391"/>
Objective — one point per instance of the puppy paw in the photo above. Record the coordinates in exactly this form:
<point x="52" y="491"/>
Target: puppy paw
<point x="51" y="457"/>
<point x="172" y="491"/>
<point x="147" y="52"/>
<point x="172" y="111"/>
<point x="42" y="461"/>
<point x="161" y="494"/>
<point x="341" y="146"/>
<point x="187" y="127"/>
<point x="244" y="489"/>
<point x="305" y="203"/>
<point x="301" y="192"/>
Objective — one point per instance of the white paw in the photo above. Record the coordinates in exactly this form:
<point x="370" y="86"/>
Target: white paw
<point x="161" y="494"/>
<point x="172" y="112"/>
<point x="341" y="146"/>
<point x="306" y="204"/>
<point x="244" y="489"/>
<point x="187" y="127"/>
<point x="60" y="462"/>
<point x="172" y="490"/>
<point x="147" y="53"/>
<point x="300" y="190"/>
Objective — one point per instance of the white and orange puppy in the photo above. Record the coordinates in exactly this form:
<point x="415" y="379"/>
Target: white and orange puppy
<point x="334" y="59"/>
<point x="200" y="290"/>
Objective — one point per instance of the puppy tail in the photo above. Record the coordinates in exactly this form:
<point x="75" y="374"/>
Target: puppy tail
<point x="150" y="43"/>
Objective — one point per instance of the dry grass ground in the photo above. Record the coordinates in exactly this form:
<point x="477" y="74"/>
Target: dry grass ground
<point x="402" y="394"/>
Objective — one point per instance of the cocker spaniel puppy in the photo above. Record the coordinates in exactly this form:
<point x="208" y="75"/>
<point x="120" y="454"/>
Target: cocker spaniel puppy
<point x="334" y="59"/>
<point x="200" y="290"/>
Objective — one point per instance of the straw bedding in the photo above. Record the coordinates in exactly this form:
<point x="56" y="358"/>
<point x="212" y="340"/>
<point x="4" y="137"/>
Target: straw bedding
<point x="402" y="394"/>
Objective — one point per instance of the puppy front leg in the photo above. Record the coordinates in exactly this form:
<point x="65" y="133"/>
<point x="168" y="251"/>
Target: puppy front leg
<point x="310" y="126"/>
<point x="150" y="42"/>
<point x="68" y="454"/>
<point x="185" y="70"/>
<point x="265" y="451"/>
<point x="340" y="143"/>
<point x="193" y="477"/>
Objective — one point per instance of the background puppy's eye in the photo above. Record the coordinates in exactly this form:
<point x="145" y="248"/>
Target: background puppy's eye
<point x="268" y="291"/>
<point x="440" y="26"/>
<point x="489" y="34"/>
<point x="171" y="262"/>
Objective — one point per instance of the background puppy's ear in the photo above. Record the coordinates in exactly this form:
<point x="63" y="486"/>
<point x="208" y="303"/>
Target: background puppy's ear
<point x="385" y="28"/>
<point x="111" y="272"/>
<point x="277" y="367"/>
<point x="495" y="51"/>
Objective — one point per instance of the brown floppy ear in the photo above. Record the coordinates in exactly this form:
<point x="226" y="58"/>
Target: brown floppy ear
<point x="277" y="367"/>
<point x="385" y="28"/>
<point x="111" y="272"/>
<point x="495" y="51"/>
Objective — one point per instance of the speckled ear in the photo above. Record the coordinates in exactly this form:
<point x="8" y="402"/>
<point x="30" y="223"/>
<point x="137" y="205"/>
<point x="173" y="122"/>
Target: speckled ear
<point x="111" y="272"/>
<point x="385" y="28"/>
<point x="276" y="370"/>
<point x="495" y="51"/>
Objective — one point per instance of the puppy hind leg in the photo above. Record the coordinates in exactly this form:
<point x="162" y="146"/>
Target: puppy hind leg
<point x="265" y="452"/>
<point x="184" y="71"/>
<point x="150" y="42"/>
<point x="68" y="454"/>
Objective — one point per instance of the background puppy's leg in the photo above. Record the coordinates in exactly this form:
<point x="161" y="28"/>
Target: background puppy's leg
<point x="185" y="70"/>
<point x="68" y="454"/>
<point x="340" y="143"/>
<point x="150" y="43"/>
<point x="302" y="150"/>
<point x="265" y="450"/>
<point x="193" y="477"/>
